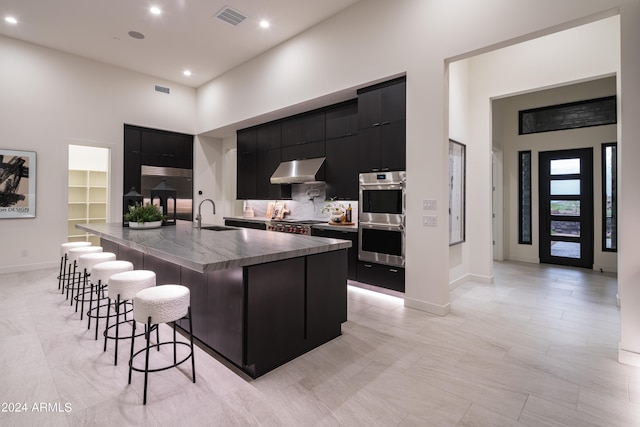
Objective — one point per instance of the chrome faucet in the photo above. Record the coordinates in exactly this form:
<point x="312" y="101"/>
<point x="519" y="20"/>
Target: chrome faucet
<point x="199" y="215"/>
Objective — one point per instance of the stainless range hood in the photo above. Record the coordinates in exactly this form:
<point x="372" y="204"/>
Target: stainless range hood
<point x="297" y="171"/>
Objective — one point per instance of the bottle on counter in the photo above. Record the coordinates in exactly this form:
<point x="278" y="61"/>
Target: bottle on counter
<point x="349" y="212"/>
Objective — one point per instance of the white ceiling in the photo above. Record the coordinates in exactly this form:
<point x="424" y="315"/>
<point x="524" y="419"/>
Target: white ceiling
<point x="187" y="35"/>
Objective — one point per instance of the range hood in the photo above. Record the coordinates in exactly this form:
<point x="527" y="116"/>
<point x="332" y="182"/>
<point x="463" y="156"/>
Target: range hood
<point x="297" y="171"/>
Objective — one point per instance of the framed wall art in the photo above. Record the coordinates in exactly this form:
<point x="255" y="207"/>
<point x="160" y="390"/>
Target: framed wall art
<point x="457" y="187"/>
<point x="17" y="184"/>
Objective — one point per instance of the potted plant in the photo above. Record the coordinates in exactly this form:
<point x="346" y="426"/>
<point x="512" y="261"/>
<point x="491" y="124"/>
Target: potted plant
<point x="144" y="216"/>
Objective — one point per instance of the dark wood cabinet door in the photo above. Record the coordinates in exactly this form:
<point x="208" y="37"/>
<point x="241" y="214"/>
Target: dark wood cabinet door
<point x="246" y="141"/>
<point x="266" y="163"/>
<point x="132" y="161"/>
<point x="369" y="109"/>
<point x="268" y="136"/>
<point x="303" y="129"/>
<point x="310" y="150"/>
<point x="393" y="103"/>
<point x="166" y="149"/>
<point x="393" y="146"/>
<point x="341" y="168"/>
<point x="342" y="120"/>
<point x="313" y="127"/>
<point x="291" y="131"/>
<point x="246" y="176"/>
<point x="369" y="149"/>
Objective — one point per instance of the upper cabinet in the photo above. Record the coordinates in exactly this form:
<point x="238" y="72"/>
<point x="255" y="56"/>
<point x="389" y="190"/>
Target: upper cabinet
<point x="382" y="126"/>
<point x="153" y="147"/>
<point x="304" y="128"/>
<point x="360" y="135"/>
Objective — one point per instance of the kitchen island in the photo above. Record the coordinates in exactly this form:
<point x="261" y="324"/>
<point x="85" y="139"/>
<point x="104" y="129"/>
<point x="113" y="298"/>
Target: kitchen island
<point x="258" y="298"/>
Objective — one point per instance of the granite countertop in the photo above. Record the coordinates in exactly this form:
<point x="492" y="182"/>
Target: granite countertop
<point x="207" y="250"/>
<point x="327" y="226"/>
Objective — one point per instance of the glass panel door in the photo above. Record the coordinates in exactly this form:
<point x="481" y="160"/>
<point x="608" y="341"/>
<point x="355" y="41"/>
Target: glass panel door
<point x="566" y="207"/>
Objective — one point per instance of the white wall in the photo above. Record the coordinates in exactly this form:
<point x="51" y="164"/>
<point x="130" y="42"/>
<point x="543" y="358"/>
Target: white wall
<point x="376" y="39"/>
<point x="50" y="100"/>
<point x="459" y="131"/>
<point x="592" y="137"/>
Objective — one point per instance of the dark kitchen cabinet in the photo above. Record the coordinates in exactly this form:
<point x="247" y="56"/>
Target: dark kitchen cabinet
<point x="382" y="126"/>
<point x="166" y="149"/>
<point x="381" y="275"/>
<point x="341" y="168"/>
<point x="268" y="136"/>
<point x="382" y="103"/>
<point x="352" y="254"/>
<point x="342" y="120"/>
<point x="255" y="165"/>
<point x="266" y="163"/>
<point x="382" y="148"/>
<point x="246" y="164"/>
<point x="132" y="160"/>
<point x="309" y="150"/>
<point x="304" y="128"/>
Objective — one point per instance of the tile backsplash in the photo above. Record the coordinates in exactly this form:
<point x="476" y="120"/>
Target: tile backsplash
<point x="307" y="202"/>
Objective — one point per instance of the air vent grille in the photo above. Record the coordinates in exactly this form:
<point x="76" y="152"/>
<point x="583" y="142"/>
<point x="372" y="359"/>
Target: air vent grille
<point x="162" y="89"/>
<point x="231" y="16"/>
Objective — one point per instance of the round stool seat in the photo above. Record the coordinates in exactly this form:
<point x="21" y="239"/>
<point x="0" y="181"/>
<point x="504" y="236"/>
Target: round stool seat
<point x="64" y="248"/>
<point x="87" y="261"/>
<point x="75" y="253"/>
<point x="129" y="283"/>
<point x="103" y="271"/>
<point x="163" y="304"/>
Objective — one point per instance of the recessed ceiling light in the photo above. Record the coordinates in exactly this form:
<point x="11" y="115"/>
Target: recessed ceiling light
<point x="155" y="10"/>
<point x="11" y="20"/>
<point x="187" y="73"/>
<point x="264" y="23"/>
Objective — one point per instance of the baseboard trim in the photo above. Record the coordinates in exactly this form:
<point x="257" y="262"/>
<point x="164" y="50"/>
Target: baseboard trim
<point x="28" y="267"/>
<point x="438" y="310"/>
<point x="628" y="357"/>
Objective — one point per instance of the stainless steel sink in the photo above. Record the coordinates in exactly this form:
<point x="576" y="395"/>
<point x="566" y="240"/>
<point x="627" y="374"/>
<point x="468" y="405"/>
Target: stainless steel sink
<point x="218" y="228"/>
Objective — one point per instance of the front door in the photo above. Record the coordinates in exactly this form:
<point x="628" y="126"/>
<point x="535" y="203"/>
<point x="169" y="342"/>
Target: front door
<point x="566" y="207"/>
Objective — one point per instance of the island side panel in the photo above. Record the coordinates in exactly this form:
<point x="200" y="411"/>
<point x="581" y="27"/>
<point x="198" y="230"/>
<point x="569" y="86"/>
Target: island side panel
<point x="275" y="314"/>
<point x="326" y="296"/>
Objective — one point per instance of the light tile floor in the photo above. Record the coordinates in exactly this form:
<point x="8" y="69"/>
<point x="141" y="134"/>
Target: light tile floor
<point x="538" y="347"/>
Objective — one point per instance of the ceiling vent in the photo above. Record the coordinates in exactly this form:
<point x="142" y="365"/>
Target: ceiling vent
<point x="231" y="16"/>
<point x="162" y="89"/>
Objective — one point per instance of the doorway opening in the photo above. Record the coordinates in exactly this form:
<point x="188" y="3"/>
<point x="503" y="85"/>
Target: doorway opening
<point x="88" y="191"/>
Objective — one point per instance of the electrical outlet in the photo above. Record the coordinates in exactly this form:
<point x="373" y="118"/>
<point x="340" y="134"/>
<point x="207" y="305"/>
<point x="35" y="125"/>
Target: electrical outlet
<point x="429" y="205"/>
<point x="429" y="221"/>
<point x="25" y="253"/>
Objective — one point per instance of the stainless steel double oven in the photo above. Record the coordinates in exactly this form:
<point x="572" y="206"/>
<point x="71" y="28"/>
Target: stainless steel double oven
<point x="381" y="217"/>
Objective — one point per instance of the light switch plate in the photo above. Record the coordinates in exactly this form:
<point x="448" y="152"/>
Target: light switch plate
<point x="429" y="205"/>
<point x="429" y="221"/>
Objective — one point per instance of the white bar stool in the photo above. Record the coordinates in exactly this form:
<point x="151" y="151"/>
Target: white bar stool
<point x="74" y="254"/>
<point x="155" y="305"/>
<point x="99" y="280"/>
<point x="64" y="257"/>
<point x="123" y="287"/>
<point x="86" y="263"/>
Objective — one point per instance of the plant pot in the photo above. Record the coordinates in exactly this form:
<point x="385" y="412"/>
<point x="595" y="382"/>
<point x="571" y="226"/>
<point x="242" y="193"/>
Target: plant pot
<point x="145" y="225"/>
<point x="336" y="218"/>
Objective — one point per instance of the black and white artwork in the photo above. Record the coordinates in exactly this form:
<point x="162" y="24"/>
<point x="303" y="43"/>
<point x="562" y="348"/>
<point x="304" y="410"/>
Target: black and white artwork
<point x="457" y="166"/>
<point x="17" y="184"/>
